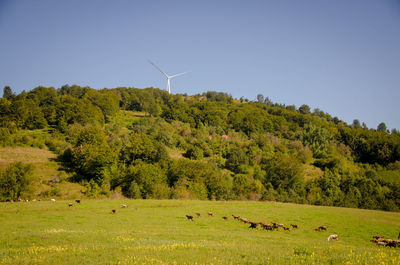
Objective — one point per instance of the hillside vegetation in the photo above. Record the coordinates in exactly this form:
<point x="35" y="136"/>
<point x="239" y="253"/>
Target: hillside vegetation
<point x="146" y="143"/>
<point x="157" y="232"/>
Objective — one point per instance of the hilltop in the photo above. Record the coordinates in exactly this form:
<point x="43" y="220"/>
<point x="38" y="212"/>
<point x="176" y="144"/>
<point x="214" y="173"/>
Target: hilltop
<point x="146" y="143"/>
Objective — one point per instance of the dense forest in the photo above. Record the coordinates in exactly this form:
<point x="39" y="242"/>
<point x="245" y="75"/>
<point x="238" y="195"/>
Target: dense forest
<point x="147" y="143"/>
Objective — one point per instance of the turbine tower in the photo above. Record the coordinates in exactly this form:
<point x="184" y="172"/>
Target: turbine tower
<point x="169" y="77"/>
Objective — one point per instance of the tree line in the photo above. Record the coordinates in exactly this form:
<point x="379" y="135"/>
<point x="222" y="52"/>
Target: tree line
<point x="150" y="144"/>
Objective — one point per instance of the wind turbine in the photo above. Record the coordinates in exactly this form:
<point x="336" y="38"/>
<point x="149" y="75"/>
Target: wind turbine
<point x="169" y="77"/>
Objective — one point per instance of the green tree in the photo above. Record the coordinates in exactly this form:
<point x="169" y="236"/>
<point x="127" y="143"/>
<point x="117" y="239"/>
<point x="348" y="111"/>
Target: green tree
<point x="16" y="181"/>
<point x="149" y="178"/>
<point x="236" y="160"/>
<point x="317" y="139"/>
<point x="194" y="152"/>
<point x="356" y="124"/>
<point x="283" y="171"/>
<point x="241" y="186"/>
<point x="142" y="147"/>
<point x="7" y="93"/>
<point x="304" y="109"/>
<point x="155" y="110"/>
<point x="382" y="127"/>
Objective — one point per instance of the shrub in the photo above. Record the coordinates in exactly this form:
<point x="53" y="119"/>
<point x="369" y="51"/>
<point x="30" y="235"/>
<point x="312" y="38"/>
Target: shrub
<point x="16" y="181"/>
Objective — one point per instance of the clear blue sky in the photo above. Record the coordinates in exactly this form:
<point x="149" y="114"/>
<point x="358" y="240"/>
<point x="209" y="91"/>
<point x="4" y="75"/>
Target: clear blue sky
<point x="342" y="56"/>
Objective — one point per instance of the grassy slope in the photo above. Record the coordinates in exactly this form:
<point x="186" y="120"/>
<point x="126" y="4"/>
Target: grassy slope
<point x="156" y="232"/>
<point x="45" y="168"/>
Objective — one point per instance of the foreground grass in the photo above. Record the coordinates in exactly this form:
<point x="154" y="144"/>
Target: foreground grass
<point x="157" y="232"/>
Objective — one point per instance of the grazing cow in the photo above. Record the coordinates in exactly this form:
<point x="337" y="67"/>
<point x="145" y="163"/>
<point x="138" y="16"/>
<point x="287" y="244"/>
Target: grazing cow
<point x="323" y="227"/>
<point x="294" y="226"/>
<point x="78" y="201"/>
<point x="70" y="204"/>
<point x="225" y="217"/>
<point x="253" y="225"/>
<point x="244" y="220"/>
<point x="286" y="228"/>
<point x="392" y="244"/>
<point x="268" y="227"/>
<point x="124" y="206"/>
<point x="53" y="200"/>
<point x="397" y="243"/>
<point x="235" y="216"/>
<point x="334" y="236"/>
<point x="210" y="214"/>
<point x="317" y="229"/>
<point x="198" y="214"/>
<point x="113" y="211"/>
<point x="189" y="217"/>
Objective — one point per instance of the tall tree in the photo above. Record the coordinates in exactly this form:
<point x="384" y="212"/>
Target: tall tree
<point x="7" y="93"/>
<point x="382" y="127"/>
<point x="356" y="123"/>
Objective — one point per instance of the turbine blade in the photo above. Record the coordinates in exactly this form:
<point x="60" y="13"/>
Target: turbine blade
<point x="159" y="69"/>
<point x="172" y="76"/>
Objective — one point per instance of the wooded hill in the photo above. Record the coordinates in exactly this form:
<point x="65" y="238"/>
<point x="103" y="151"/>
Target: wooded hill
<point x="150" y="144"/>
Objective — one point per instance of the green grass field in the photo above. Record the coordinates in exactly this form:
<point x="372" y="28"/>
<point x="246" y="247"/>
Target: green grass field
<point x="157" y="232"/>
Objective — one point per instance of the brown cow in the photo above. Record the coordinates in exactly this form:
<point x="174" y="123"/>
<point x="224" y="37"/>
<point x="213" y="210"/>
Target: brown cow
<point x="286" y="228"/>
<point x="267" y="227"/>
<point x="244" y="220"/>
<point x="225" y="217"/>
<point x="323" y="227"/>
<point x="235" y="216"/>
<point x="113" y="211"/>
<point x="294" y="226"/>
<point x="70" y="204"/>
<point x="198" y="214"/>
<point x="210" y="214"/>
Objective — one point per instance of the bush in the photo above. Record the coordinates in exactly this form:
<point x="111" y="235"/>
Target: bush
<point x="194" y="153"/>
<point x="16" y="181"/>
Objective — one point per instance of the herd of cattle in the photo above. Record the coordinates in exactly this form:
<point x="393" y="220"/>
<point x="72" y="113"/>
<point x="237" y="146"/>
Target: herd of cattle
<point x="379" y="240"/>
<point x="266" y="226"/>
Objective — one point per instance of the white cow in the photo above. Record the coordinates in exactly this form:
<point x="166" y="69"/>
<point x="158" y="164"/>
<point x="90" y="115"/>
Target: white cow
<point x="333" y="237"/>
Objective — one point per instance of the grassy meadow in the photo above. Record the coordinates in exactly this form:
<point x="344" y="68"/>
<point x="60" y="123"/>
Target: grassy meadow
<point x="157" y="232"/>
